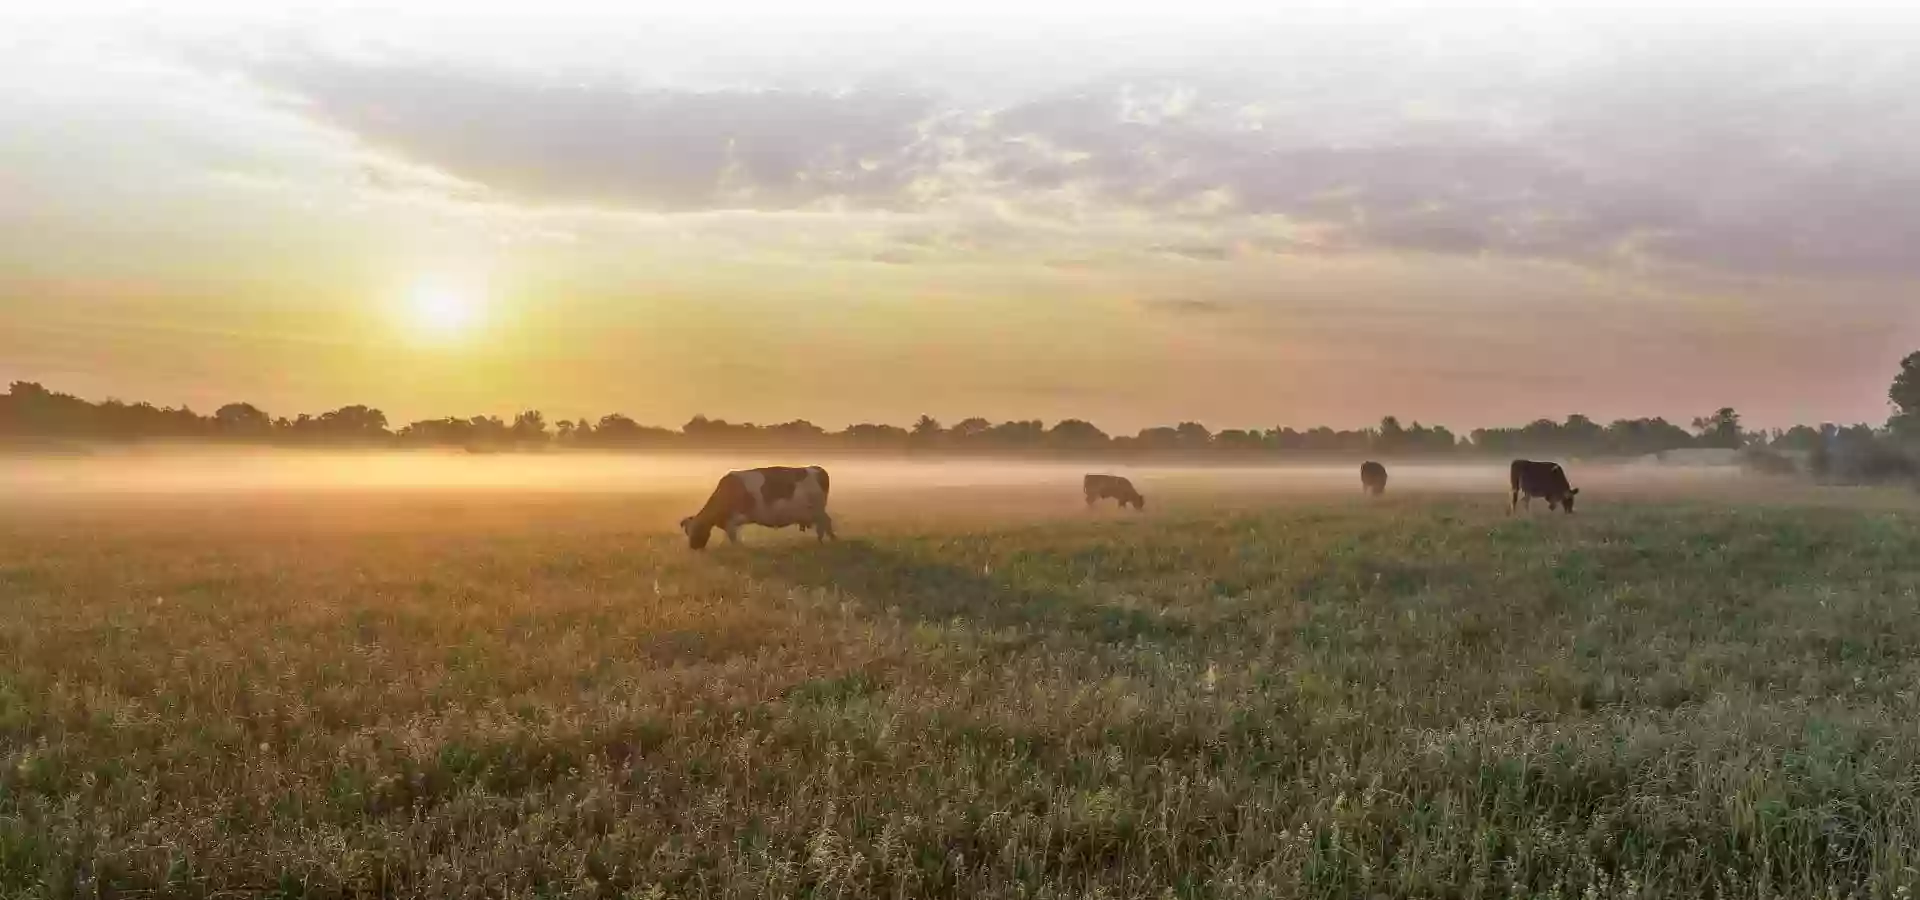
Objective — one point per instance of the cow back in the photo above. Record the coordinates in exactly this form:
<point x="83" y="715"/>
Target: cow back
<point x="1539" y="479"/>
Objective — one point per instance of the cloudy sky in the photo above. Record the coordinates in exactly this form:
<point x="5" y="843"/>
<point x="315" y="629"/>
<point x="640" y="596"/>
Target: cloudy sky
<point x="1136" y="213"/>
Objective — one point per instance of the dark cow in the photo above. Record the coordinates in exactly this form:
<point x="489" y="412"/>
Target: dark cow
<point x="1531" y="479"/>
<point x="773" y="497"/>
<point x="1373" y="478"/>
<point x="1112" y="487"/>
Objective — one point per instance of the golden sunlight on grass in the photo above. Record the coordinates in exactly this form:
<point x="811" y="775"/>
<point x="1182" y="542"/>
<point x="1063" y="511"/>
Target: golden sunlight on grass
<point x="496" y="693"/>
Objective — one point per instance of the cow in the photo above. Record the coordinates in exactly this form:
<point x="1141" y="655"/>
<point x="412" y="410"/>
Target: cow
<point x="1531" y="479"/>
<point x="1373" y="478"/>
<point x="1112" y="487"/>
<point x="772" y="497"/>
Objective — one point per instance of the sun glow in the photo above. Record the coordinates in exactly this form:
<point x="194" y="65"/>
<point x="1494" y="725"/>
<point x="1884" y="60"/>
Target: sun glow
<point x="442" y="311"/>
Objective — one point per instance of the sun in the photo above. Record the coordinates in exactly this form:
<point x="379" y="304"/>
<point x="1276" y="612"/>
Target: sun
<point x="442" y="311"/>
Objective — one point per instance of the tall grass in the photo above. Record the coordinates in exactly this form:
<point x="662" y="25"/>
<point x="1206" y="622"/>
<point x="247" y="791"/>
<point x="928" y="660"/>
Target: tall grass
<point x="1412" y="698"/>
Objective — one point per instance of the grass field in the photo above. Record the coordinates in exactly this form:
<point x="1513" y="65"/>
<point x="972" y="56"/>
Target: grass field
<point x="976" y="694"/>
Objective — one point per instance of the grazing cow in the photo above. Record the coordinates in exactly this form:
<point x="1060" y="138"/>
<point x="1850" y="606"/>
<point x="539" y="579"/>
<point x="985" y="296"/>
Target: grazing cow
<point x="773" y="497"/>
<point x="1373" y="478"/>
<point x="1112" y="487"/>
<point x="1531" y="479"/>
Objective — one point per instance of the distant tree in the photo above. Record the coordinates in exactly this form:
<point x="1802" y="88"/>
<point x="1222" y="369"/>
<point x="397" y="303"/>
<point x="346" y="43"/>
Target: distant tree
<point x="1427" y="441"/>
<point x="1237" y="440"/>
<point x="1075" y="435"/>
<point x="798" y="434"/>
<point x="1157" y="440"/>
<point x="1193" y="436"/>
<point x="1284" y="439"/>
<point x="1853" y="453"/>
<point x="1028" y="434"/>
<point x="1722" y="429"/>
<point x="530" y="429"/>
<point x="1639" y="437"/>
<point x="1799" y="438"/>
<point x="927" y="433"/>
<point x="618" y="431"/>
<point x="701" y="431"/>
<point x="1391" y="438"/>
<point x="1581" y="436"/>
<point x="1905" y="397"/>
<point x="242" y="421"/>
<point x="868" y="436"/>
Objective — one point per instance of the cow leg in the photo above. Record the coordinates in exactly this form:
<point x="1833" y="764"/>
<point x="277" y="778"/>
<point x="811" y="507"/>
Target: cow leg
<point x="823" y="528"/>
<point x="1513" y="502"/>
<point x="733" y="531"/>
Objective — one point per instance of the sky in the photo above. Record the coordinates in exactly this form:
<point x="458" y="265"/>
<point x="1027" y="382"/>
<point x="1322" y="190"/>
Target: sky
<point x="1250" y="215"/>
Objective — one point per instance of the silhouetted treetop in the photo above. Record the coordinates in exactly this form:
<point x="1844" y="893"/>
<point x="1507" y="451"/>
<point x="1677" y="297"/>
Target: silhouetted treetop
<point x="29" y="409"/>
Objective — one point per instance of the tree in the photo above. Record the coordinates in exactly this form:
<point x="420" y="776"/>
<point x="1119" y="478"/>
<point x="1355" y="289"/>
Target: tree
<point x="868" y="436"/>
<point x="1193" y="436"/>
<point x="927" y="433"/>
<point x="1017" y="435"/>
<point x="530" y="428"/>
<point x="798" y="433"/>
<point x="1799" y="438"/>
<point x="1076" y="435"/>
<point x="1905" y="397"/>
<point x="616" y="428"/>
<point x="969" y="432"/>
<point x="1722" y="429"/>
<point x="1581" y="435"/>
<point x="1392" y="438"/>
<point x="1157" y="440"/>
<point x="242" y="421"/>
<point x="1239" y="441"/>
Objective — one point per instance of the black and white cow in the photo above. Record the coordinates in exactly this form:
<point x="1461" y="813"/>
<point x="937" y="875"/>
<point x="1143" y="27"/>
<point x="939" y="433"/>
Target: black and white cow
<point x="772" y="496"/>
<point x="1112" y="487"/>
<point x="1531" y="479"/>
<point x="1373" y="478"/>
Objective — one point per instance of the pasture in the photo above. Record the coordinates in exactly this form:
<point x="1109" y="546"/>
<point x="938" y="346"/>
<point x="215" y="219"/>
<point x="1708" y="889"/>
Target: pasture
<point x="1271" y="689"/>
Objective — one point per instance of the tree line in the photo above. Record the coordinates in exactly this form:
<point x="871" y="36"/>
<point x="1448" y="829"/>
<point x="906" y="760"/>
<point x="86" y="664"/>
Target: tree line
<point x="30" y="410"/>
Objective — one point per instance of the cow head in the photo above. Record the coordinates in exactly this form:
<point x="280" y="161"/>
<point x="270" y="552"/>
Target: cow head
<point x="1566" y="502"/>
<point x="698" y="532"/>
<point x="1139" y="502"/>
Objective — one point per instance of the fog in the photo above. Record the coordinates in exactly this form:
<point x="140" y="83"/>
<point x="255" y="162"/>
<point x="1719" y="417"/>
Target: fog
<point x="176" y="471"/>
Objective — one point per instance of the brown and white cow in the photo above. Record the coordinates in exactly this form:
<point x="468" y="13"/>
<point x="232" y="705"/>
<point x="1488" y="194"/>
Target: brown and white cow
<point x="1373" y="478"/>
<point x="772" y="497"/>
<point x="1531" y="479"/>
<point x="1112" y="487"/>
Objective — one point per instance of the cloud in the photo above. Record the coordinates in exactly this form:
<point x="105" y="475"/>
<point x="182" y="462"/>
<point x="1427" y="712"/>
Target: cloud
<point x="1196" y="253"/>
<point x="545" y="141"/>
<point x="1789" y="158"/>
<point x="1187" y="306"/>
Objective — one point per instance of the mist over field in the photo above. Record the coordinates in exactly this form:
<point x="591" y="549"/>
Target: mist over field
<point x="227" y="471"/>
